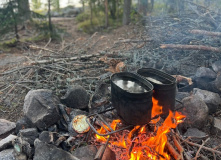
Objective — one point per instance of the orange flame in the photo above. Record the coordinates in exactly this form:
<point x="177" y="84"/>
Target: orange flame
<point x="144" y="146"/>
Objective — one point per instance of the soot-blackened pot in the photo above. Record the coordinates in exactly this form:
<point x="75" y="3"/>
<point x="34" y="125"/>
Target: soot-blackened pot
<point x="164" y="87"/>
<point x="133" y="106"/>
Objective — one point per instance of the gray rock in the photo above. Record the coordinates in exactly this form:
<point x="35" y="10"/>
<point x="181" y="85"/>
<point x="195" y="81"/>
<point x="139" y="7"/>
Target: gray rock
<point x="9" y="154"/>
<point x="23" y="123"/>
<point x="44" y="151"/>
<point x="86" y="152"/>
<point x="194" y="132"/>
<point x="216" y="129"/>
<point x="76" y="97"/>
<point x="181" y="95"/>
<point x="7" y="142"/>
<point x="196" y="112"/>
<point x="218" y="82"/>
<point x="216" y="66"/>
<point x="212" y="100"/>
<point x="41" y="108"/>
<point x="6" y="128"/>
<point x="203" y="72"/>
<point x="29" y="135"/>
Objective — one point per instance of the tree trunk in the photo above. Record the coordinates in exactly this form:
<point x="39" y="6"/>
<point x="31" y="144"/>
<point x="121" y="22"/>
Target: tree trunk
<point x="142" y="7"/>
<point x="126" y="14"/>
<point x="113" y="8"/>
<point x="91" y="10"/>
<point x="15" y="20"/>
<point x="24" y="9"/>
<point x="49" y="17"/>
<point x="106" y="13"/>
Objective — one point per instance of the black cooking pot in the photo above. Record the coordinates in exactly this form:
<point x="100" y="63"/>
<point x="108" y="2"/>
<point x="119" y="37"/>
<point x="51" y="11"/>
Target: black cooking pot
<point x="131" y="95"/>
<point x="164" y="87"/>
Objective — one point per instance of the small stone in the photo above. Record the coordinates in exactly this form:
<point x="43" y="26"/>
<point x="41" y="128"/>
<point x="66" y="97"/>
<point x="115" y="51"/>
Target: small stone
<point x="7" y="142"/>
<point x="6" y="128"/>
<point x="76" y="97"/>
<point x="48" y="137"/>
<point x="196" y="112"/>
<point x="23" y="123"/>
<point x="216" y="66"/>
<point x="86" y="152"/>
<point x="216" y="129"/>
<point x="194" y="132"/>
<point x="41" y="107"/>
<point x="212" y="100"/>
<point x="29" y="135"/>
<point x="203" y="72"/>
<point x="44" y="151"/>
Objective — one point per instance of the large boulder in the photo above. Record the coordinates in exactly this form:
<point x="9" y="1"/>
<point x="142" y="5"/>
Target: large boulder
<point x="44" y="151"/>
<point x="212" y="100"/>
<point x="41" y="107"/>
<point x="6" y="128"/>
<point x="76" y="97"/>
<point x="196" y="112"/>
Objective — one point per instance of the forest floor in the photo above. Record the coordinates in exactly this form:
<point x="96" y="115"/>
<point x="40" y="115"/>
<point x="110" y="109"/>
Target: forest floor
<point x="12" y="96"/>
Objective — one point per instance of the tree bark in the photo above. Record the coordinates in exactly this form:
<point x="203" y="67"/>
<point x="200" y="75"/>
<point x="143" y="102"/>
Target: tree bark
<point x="106" y="13"/>
<point x="126" y="13"/>
<point x="49" y="17"/>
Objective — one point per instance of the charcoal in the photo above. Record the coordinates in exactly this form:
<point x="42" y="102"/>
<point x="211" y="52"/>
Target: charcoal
<point x="23" y="123"/>
<point x="76" y="97"/>
<point x="196" y="112"/>
<point x="108" y="154"/>
<point x="48" y="137"/>
<point x="212" y="100"/>
<point x="6" y="128"/>
<point x="86" y="152"/>
<point x="7" y="142"/>
<point x="44" y="151"/>
<point x="29" y="135"/>
<point x="41" y="107"/>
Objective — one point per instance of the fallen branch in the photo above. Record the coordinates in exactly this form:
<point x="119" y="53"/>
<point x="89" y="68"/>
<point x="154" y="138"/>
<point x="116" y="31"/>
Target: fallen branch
<point x="197" y="153"/>
<point x="203" y="147"/>
<point x="62" y="59"/>
<point x="132" y="41"/>
<point x="190" y="47"/>
<point x="203" y="32"/>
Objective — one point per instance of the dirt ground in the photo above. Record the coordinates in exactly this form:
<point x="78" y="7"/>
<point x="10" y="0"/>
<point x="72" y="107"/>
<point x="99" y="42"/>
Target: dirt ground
<point x="11" y="108"/>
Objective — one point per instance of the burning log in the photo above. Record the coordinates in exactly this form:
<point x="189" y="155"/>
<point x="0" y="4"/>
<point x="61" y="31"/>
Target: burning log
<point x="203" y="32"/>
<point x="172" y="151"/>
<point x="190" y="47"/>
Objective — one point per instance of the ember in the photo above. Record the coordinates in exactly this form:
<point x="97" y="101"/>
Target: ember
<point x="140" y="143"/>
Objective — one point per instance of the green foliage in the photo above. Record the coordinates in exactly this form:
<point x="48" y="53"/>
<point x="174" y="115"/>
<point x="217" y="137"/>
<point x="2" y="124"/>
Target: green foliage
<point x="82" y="17"/>
<point x="56" y="5"/>
<point x="36" y="5"/>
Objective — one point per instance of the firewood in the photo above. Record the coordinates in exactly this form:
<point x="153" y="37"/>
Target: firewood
<point x="180" y="78"/>
<point x="172" y="151"/>
<point x="190" y="47"/>
<point x="178" y="145"/>
<point x="203" y="32"/>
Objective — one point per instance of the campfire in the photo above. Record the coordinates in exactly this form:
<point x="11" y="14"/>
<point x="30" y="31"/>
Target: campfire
<point x="141" y="143"/>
